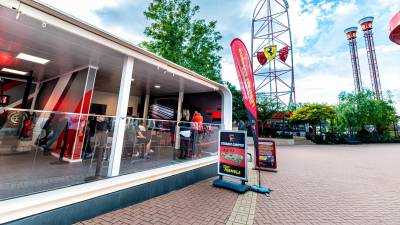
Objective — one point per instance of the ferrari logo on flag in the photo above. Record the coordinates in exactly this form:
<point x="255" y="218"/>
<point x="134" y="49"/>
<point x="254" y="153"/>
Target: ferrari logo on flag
<point x="270" y="52"/>
<point x="261" y="58"/>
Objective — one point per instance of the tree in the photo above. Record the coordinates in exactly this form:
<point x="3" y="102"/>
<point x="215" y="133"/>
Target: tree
<point x="355" y="111"/>
<point x="266" y="106"/>
<point x="175" y="35"/>
<point x="239" y="111"/>
<point x="313" y="114"/>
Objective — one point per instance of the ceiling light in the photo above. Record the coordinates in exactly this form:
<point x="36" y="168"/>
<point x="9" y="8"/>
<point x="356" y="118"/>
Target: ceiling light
<point x="32" y="58"/>
<point x="6" y="59"/>
<point x="157" y="86"/>
<point x="14" y="71"/>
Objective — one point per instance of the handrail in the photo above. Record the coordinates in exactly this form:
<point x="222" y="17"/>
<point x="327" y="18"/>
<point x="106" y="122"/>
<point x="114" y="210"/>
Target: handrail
<point x="97" y="115"/>
<point x="55" y="112"/>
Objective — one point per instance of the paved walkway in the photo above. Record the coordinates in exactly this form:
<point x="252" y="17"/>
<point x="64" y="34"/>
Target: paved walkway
<point x="317" y="184"/>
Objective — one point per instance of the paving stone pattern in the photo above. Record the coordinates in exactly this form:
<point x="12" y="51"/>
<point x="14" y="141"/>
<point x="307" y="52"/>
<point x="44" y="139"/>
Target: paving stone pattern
<point x="317" y="184"/>
<point x="333" y="185"/>
<point x="196" y="204"/>
<point x="244" y="210"/>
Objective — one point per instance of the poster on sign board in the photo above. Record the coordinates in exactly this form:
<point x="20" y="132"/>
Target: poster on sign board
<point x="266" y="154"/>
<point x="232" y="154"/>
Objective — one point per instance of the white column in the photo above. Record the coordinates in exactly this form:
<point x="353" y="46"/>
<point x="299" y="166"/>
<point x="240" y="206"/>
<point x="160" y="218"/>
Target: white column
<point x="146" y="106"/>
<point x="120" y="121"/>
<point x="35" y="94"/>
<point x="178" y="119"/>
<point x="51" y="103"/>
<point x="226" y="108"/>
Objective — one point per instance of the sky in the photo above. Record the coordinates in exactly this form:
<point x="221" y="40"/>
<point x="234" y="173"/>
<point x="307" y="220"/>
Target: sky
<point x="321" y="55"/>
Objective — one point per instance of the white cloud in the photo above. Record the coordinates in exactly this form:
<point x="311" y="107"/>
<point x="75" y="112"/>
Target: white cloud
<point x="246" y="38"/>
<point x="229" y="72"/>
<point x="327" y="6"/>
<point x="390" y="5"/>
<point x="322" y="88"/>
<point x="86" y="11"/>
<point x="345" y="9"/>
<point x="83" y="10"/>
<point x="304" y="24"/>
<point x="121" y="32"/>
<point x="248" y="8"/>
<point x="307" y="60"/>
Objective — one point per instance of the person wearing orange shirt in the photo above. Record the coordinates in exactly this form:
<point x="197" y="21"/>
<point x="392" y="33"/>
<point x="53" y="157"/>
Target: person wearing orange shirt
<point x="197" y="120"/>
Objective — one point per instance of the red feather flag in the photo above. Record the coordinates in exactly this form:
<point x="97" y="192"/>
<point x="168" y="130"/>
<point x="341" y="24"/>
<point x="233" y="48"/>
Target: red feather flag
<point x="245" y="74"/>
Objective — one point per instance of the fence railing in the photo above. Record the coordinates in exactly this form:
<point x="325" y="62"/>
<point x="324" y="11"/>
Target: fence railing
<point x="44" y="150"/>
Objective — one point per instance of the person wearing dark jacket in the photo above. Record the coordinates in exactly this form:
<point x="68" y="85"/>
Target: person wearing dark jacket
<point x="48" y="138"/>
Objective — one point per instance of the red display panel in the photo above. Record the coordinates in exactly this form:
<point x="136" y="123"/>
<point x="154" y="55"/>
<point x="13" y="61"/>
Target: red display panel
<point x="266" y="154"/>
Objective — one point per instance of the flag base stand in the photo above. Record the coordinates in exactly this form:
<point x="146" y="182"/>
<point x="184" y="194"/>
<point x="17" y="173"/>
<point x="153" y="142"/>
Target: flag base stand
<point x="239" y="188"/>
<point x="260" y="189"/>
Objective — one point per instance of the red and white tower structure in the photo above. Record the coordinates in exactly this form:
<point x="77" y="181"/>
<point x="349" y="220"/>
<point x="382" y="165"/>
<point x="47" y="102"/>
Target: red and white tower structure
<point x="351" y="34"/>
<point x="366" y="26"/>
<point x="273" y="77"/>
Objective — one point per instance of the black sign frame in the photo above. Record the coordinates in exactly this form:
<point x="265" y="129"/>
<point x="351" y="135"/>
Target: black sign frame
<point x="241" y="145"/>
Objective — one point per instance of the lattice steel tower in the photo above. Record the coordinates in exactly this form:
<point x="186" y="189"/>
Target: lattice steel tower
<point x="366" y="26"/>
<point x="271" y="30"/>
<point x="351" y="34"/>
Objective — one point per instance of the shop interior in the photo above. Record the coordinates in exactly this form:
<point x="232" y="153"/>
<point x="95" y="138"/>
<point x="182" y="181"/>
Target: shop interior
<point x="47" y="72"/>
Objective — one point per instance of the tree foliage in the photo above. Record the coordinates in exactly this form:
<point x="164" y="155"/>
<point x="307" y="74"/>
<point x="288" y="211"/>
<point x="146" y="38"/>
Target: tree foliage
<point x="313" y="114"/>
<point x="175" y="35"/>
<point x="266" y="106"/>
<point x="239" y="111"/>
<point x="355" y="111"/>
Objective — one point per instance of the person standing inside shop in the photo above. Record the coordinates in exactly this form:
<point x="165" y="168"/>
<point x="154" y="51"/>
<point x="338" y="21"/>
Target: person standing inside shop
<point x="101" y="135"/>
<point x="197" y="120"/>
<point x="90" y="131"/>
<point x="184" y="134"/>
<point x="48" y="137"/>
<point x="101" y="131"/>
<point x="144" y="137"/>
